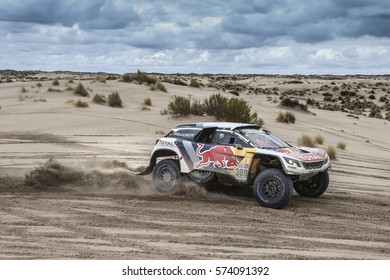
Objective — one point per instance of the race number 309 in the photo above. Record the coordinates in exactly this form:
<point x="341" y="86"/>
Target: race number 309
<point x="242" y="171"/>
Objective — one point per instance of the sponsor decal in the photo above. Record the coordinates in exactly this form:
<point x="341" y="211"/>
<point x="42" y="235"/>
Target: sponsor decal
<point x="297" y="154"/>
<point x="288" y="150"/>
<point x="167" y="143"/>
<point x="184" y="135"/>
<point x="218" y="156"/>
<point x="309" y="157"/>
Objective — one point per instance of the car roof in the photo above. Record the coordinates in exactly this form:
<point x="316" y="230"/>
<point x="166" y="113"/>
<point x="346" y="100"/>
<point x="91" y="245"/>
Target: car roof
<point x="220" y="125"/>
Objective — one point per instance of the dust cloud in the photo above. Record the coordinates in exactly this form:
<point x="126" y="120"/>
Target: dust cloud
<point x="107" y="177"/>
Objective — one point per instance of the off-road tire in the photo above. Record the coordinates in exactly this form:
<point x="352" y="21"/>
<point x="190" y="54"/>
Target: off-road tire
<point x="201" y="176"/>
<point x="273" y="189"/>
<point x="166" y="175"/>
<point x="314" y="187"/>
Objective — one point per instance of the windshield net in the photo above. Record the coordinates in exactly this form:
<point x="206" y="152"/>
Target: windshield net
<point x="264" y="140"/>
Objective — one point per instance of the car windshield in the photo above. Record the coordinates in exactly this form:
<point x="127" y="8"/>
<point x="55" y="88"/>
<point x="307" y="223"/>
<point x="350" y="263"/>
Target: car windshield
<point x="264" y="140"/>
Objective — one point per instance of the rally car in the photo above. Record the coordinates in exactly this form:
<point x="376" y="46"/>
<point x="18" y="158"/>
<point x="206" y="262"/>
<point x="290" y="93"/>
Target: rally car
<point x="239" y="154"/>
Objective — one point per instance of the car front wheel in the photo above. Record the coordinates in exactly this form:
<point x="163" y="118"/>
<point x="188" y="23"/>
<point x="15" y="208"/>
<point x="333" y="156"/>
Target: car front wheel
<point x="166" y="175"/>
<point x="313" y="187"/>
<point x="273" y="189"/>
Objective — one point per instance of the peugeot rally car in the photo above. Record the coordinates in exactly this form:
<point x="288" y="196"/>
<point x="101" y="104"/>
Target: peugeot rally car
<point x="240" y="154"/>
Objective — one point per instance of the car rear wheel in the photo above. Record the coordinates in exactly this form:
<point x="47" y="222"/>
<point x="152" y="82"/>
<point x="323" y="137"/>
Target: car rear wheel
<point x="202" y="176"/>
<point x="273" y="189"/>
<point x="313" y="187"/>
<point x="166" y="175"/>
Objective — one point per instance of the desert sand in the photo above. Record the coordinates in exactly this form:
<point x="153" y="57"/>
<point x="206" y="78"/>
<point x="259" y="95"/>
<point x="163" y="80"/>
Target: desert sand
<point x="68" y="188"/>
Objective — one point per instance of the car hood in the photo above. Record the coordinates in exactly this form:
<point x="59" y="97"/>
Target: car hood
<point x="303" y="153"/>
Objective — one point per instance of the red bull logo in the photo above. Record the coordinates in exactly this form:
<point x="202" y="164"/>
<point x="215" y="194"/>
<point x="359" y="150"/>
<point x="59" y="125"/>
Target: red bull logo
<point x="218" y="156"/>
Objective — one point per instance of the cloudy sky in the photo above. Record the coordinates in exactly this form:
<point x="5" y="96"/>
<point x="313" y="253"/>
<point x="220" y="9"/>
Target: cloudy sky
<point x="210" y="36"/>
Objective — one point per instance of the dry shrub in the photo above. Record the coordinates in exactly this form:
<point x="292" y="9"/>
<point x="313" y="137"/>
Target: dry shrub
<point x="254" y="119"/>
<point x="197" y="108"/>
<point x="160" y="86"/>
<point x="114" y="100"/>
<point x="100" y="78"/>
<point x="331" y="152"/>
<point x="319" y="139"/>
<point x="81" y="104"/>
<point x="286" y="117"/>
<point x="40" y="100"/>
<point x="143" y="78"/>
<point x="179" y="106"/>
<point x="55" y="82"/>
<point x="306" y="141"/>
<point x="50" y="89"/>
<point x="80" y="90"/>
<point x="293" y="103"/>
<point x="161" y="132"/>
<point x="179" y="82"/>
<point x="147" y="101"/>
<point x="194" y="83"/>
<point x="127" y="78"/>
<point x="23" y="90"/>
<point x="99" y="99"/>
<point x="39" y="84"/>
<point x="23" y="97"/>
<point x="341" y="145"/>
<point x="223" y="108"/>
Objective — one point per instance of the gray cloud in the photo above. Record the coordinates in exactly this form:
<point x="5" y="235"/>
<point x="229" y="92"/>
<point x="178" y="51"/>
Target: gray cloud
<point x="97" y="14"/>
<point x="213" y="34"/>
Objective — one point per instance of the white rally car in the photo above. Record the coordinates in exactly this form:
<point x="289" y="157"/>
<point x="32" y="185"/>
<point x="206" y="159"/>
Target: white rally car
<point x="241" y="154"/>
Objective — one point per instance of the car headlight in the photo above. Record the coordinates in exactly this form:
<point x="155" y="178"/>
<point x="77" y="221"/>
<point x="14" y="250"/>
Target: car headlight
<point x="291" y="161"/>
<point x="326" y="159"/>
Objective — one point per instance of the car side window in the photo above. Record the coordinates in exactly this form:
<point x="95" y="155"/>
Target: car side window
<point x="222" y="137"/>
<point x="228" y="138"/>
<point x="238" y="141"/>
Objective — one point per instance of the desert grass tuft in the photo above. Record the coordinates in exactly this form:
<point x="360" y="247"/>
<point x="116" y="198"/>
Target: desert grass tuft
<point x="81" y="104"/>
<point x="40" y="100"/>
<point x="160" y="86"/>
<point x="39" y="84"/>
<point x="194" y="83"/>
<point x="306" y="141"/>
<point x="55" y="82"/>
<point x="50" y="89"/>
<point x="23" y="90"/>
<point x="100" y="78"/>
<point x="114" y="100"/>
<point x="80" y="90"/>
<point x="331" y="151"/>
<point x="341" y="145"/>
<point x="99" y="99"/>
<point x="140" y="78"/>
<point x="23" y="97"/>
<point x="319" y="139"/>
<point x="147" y="101"/>
<point x="286" y="117"/>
